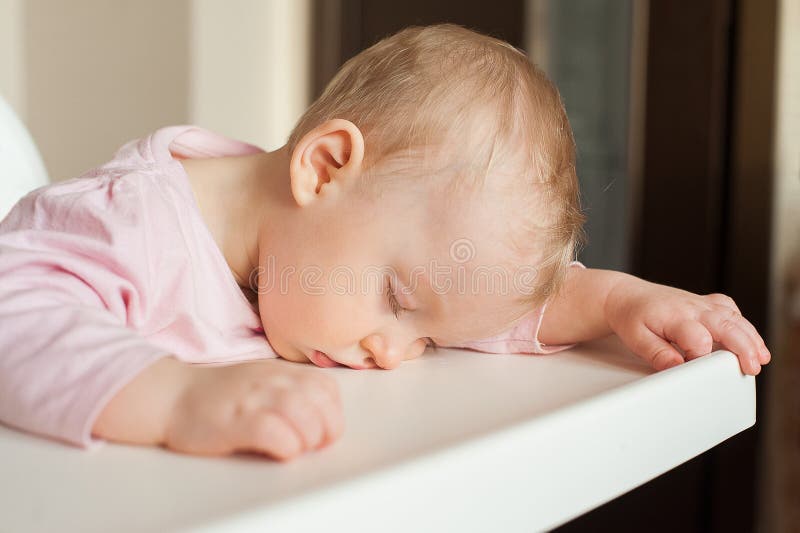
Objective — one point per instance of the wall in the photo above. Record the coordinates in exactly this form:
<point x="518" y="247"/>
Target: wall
<point x="781" y="485"/>
<point x="100" y="73"/>
<point x="250" y="67"/>
<point x="786" y="216"/>
<point x="12" y="75"/>
<point x="88" y="75"/>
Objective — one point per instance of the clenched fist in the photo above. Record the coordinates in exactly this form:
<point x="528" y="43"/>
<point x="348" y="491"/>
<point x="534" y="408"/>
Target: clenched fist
<point x="272" y="407"/>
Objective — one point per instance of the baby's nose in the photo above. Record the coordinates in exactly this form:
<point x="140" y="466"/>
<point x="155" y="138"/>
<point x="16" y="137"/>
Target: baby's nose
<point x="389" y="353"/>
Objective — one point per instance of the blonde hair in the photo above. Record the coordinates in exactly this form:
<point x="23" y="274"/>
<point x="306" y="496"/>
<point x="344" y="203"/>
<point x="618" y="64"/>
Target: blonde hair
<point x="426" y="88"/>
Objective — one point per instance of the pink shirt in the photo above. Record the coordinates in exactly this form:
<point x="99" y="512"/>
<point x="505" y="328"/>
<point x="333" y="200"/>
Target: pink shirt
<point x="103" y="274"/>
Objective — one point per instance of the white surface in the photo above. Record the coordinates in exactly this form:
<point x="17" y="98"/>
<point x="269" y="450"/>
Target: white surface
<point x="453" y="441"/>
<point x="21" y="167"/>
<point x="250" y="67"/>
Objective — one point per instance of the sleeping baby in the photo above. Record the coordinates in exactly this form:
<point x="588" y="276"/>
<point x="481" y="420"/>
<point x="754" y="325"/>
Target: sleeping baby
<point x="427" y="197"/>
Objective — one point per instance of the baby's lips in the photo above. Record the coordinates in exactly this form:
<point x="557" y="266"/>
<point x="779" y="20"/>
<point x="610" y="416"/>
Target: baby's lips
<point x="322" y="360"/>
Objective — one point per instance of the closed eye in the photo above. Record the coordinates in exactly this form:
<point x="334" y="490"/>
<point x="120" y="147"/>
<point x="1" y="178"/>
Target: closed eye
<point x="398" y="309"/>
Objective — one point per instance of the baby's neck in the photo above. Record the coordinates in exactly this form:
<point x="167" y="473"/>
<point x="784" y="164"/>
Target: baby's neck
<point x="236" y="196"/>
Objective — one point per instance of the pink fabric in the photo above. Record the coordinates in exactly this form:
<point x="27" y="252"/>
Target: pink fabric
<point x="103" y="274"/>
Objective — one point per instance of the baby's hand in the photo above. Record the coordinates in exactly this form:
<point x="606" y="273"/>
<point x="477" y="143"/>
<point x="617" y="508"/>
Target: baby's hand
<point x="269" y="407"/>
<point x="648" y="316"/>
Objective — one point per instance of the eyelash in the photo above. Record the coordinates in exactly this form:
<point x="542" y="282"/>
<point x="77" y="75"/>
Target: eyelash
<point x="398" y="309"/>
<point x="395" y="306"/>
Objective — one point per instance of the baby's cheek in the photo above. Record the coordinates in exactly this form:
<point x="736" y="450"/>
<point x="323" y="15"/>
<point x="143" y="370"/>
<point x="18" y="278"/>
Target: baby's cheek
<point x="294" y="317"/>
<point x="325" y="321"/>
<point x="282" y="313"/>
<point x="337" y="320"/>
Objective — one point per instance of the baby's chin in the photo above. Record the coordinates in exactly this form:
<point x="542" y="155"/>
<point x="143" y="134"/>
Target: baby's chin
<point x="285" y="351"/>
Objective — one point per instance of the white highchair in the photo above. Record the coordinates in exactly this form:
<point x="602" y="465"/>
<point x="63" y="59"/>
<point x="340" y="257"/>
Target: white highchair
<point x="21" y="167"/>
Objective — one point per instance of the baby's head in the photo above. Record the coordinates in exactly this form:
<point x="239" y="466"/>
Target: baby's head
<point x="434" y="197"/>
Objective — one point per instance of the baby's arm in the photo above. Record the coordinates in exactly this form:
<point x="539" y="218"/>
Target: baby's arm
<point x="70" y="368"/>
<point x="140" y="411"/>
<point x="648" y="317"/>
<point x="267" y="406"/>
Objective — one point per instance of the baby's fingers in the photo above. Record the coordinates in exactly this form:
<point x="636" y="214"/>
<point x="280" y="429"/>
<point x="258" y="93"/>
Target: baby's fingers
<point x="305" y="418"/>
<point x="750" y="329"/>
<point x="729" y="332"/>
<point x="269" y="433"/>
<point x="691" y="336"/>
<point x="328" y="413"/>
<point x="735" y="314"/>
<point x="654" y="349"/>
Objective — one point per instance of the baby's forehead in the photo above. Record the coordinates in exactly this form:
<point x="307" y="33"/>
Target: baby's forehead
<point x="486" y="230"/>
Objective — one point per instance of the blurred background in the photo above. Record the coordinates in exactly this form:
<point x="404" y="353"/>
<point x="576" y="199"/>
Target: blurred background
<point x="687" y="122"/>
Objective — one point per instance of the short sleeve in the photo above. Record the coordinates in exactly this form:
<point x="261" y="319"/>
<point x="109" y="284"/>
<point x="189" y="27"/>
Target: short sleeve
<point x="65" y="303"/>
<point x="521" y="338"/>
<point x="62" y="357"/>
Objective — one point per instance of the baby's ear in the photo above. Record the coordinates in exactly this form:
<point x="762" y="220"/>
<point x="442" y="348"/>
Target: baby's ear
<point x="326" y="160"/>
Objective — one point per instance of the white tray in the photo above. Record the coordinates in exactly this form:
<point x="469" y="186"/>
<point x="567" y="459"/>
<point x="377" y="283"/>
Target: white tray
<point x="453" y="441"/>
